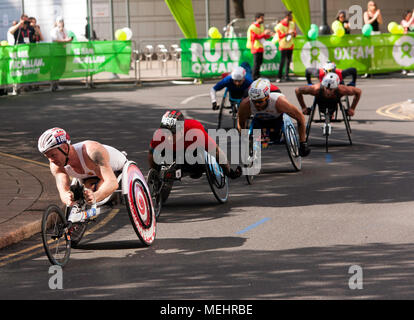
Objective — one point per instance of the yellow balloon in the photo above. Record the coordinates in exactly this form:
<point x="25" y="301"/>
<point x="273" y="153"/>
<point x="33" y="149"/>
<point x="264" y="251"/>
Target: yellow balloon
<point x="392" y="25"/>
<point x="120" y="35"/>
<point x="340" y="32"/>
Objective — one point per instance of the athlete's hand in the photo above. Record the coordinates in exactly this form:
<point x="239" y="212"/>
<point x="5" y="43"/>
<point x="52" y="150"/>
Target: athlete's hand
<point x="68" y="198"/>
<point x="89" y="196"/>
<point x="350" y="112"/>
<point x="306" y="111"/>
<point x="304" y="150"/>
<point x="234" y="174"/>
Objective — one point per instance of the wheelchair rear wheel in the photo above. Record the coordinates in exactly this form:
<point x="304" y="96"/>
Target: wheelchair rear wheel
<point x="216" y="178"/>
<point x="292" y="143"/>
<point x="139" y="205"/>
<point x="55" y="236"/>
<point x="154" y="185"/>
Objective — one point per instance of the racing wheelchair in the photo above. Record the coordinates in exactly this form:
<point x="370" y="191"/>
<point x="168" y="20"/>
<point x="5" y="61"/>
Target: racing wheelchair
<point x="288" y="136"/>
<point x="59" y="236"/>
<point x="231" y="104"/>
<point x="160" y="182"/>
<point x="328" y="115"/>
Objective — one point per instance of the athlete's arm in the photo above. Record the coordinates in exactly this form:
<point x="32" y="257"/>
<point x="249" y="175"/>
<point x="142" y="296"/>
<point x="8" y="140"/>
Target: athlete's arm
<point x="243" y="114"/>
<point x="284" y="106"/>
<point x="351" y="91"/>
<point x="108" y="184"/>
<point x="307" y="90"/>
<point x="62" y="184"/>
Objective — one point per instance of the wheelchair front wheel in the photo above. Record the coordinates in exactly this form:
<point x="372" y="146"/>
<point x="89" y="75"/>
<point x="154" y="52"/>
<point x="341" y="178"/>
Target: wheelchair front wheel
<point x="154" y="185"/>
<point x="55" y="236"/>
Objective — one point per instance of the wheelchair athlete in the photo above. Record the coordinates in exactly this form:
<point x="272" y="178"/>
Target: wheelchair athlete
<point x="89" y="161"/>
<point x="237" y="84"/>
<point x="328" y="94"/>
<point x="330" y="67"/>
<point x="169" y="121"/>
<point x="267" y="109"/>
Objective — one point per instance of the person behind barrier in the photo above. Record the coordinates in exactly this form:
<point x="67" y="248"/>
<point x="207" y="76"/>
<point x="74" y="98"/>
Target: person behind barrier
<point x="22" y="31"/>
<point x="89" y="161"/>
<point x="286" y="30"/>
<point x="177" y="140"/>
<point x="256" y="34"/>
<point x="328" y="94"/>
<point x="237" y="83"/>
<point x="38" y="36"/>
<point x="267" y="109"/>
<point x="331" y="67"/>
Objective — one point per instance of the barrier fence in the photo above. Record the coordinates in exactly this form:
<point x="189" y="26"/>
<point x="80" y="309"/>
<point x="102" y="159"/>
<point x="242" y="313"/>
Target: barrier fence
<point x="206" y="58"/>
<point x="42" y="62"/>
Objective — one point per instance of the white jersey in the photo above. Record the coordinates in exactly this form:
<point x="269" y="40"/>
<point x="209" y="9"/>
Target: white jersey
<point x="116" y="160"/>
<point x="270" y="112"/>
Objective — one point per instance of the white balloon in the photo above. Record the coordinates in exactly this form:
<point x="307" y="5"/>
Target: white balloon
<point x="128" y="32"/>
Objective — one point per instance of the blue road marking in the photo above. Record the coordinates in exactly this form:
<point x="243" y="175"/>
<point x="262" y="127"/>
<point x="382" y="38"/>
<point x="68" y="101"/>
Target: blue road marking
<point x="328" y="158"/>
<point x="253" y="226"/>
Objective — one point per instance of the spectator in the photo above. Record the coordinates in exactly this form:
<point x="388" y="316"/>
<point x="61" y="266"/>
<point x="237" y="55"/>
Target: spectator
<point x="38" y="34"/>
<point x="373" y="17"/>
<point x="59" y="33"/>
<point x="341" y="17"/>
<point x="408" y="21"/>
<point x="255" y="35"/>
<point x="87" y="33"/>
<point x="10" y="36"/>
<point x="22" y="31"/>
<point x="286" y="31"/>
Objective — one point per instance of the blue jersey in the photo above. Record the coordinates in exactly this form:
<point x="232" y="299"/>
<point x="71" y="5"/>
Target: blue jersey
<point x="235" y="91"/>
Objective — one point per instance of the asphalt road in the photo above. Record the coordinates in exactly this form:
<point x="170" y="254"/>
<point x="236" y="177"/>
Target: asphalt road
<point x="291" y="235"/>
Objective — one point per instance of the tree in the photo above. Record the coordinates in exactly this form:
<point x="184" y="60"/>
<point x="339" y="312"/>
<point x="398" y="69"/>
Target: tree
<point x="239" y="8"/>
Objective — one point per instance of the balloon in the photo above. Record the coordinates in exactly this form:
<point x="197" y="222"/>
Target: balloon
<point x="340" y="32"/>
<point x="336" y="25"/>
<point x="392" y="25"/>
<point x="397" y="29"/>
<point x="313" y="34"/>
<point x="128" y="33"/>
<point x="367" y="29"/>
<point x="120" y="35"/>
<point x="214" y="33"/>
<point x="314" y="26"/>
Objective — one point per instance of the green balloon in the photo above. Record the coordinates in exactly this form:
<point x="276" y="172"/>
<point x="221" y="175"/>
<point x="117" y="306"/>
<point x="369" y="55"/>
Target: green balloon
<point x="314" y="26"/>
<point x="313" y="34"/>
<point x="367" y="29"/>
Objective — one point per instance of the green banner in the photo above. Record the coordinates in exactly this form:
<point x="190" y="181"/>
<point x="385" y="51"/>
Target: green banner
<point x="52" y="61"/>
<point x="206" y="58"/>
<point x="183" y="13"/>
<point x="375" y="54"/>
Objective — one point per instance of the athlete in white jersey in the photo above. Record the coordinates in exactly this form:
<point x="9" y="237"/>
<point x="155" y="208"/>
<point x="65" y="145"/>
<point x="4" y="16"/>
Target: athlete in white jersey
<point x="267" y="108"/>
<point x="88" y="159"/>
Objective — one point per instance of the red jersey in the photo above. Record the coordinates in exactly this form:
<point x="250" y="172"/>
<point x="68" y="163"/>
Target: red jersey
<point x="199" y="137"/>
<point x="322" y="74"/>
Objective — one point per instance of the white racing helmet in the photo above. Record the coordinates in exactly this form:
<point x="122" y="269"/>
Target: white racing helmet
<point x="51" y="139"/>
<point x="330" y="81"/>
<point x="259" y="89"/>
<point x="238" y="73"/>
<point x="329" y="67"/>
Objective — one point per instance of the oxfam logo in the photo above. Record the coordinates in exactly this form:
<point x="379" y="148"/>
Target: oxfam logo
<point x="269" y="49"/>
<point x="403" y="51"/>
<point x="314" y="54"/>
